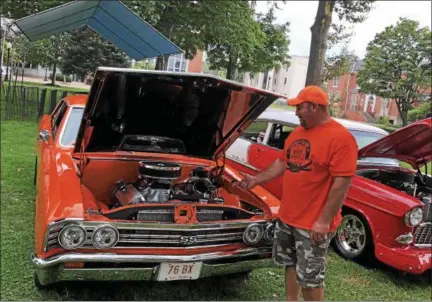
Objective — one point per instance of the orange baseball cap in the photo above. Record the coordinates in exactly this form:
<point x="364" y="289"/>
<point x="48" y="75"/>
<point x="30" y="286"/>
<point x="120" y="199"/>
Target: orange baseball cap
<point x="312" y="94"/>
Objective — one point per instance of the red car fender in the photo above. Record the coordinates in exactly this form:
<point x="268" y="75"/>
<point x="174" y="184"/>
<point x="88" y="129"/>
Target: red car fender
<point x="349" y="204"/>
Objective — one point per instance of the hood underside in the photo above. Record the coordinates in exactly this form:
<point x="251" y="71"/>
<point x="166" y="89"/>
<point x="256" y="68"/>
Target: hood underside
<point x="411" y="144"/>
<point x="179" y="113"/>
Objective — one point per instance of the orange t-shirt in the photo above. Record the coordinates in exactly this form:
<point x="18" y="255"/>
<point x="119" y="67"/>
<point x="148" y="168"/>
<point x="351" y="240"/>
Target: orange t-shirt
<point x="313" y="157"/>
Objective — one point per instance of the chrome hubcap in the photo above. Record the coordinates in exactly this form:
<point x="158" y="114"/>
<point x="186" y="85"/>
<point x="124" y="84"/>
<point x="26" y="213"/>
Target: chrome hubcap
<point x="352" y="234"/>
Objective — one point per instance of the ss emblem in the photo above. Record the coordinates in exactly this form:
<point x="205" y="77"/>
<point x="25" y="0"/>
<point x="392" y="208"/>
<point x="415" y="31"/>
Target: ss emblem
<point x="188" y="239"/>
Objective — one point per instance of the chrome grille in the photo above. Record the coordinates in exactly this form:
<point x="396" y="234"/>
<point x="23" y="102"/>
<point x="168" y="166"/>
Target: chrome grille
<point x="190" y="238"/>
<point x="167" y="215"/>
<point x="427" y="212"/>
<point x="162" y="215"/>
<point x="159" y="235"/>
<point x="423" y="235"/>
<point x="209" y="215"/>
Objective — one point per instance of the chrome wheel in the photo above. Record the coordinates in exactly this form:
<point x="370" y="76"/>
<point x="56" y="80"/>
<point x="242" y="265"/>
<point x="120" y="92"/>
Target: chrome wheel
<point x="351" y="236"/>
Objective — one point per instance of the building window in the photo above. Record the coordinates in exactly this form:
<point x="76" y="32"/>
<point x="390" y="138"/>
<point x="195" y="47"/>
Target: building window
<point x="354" y="99"/>
<point x="335" y="82"/>
<point x="177" y="63"/>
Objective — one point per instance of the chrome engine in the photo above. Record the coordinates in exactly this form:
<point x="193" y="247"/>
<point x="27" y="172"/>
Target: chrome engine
<point x="156" y="185"/>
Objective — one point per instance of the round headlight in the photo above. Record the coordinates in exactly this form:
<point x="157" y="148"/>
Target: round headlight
<point x="269" y="232"/>
<point x="72" y="237"/>
<point x="253" y="234"/>
<point x="105" y="236"/>
<point x="414" y="217"/>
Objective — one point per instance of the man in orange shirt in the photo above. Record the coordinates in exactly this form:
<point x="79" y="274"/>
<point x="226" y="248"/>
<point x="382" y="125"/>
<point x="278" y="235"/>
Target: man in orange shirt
<point x="317" y="164"/>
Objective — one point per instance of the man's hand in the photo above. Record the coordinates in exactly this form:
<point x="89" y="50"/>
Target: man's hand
<point x="319" y="231"/>
<point x="248" y="182"/>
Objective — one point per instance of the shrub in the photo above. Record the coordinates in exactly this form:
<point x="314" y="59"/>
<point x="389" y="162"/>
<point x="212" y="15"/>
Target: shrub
<point x="383" y="120"/>
<point x="59" y="77"/>
<point x="389" y="128"/>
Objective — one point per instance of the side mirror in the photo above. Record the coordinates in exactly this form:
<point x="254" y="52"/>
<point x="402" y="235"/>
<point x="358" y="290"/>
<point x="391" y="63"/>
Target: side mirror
<point x="44" y="135"/>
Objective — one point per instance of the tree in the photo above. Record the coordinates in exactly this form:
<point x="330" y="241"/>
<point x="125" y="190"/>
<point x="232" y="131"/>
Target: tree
<point x="421" y="111"/>
<point x="17" y="9"/>
<point x="398" y="64"/>
<point x="46" y="52"/>
<point x="181" y="21"/>
<point x="261" y="47"/>
<point x="87" y="50"/>
<point x="338" y="64"/>
<point x="53" y="50"/>
<point x="348" y="11"/>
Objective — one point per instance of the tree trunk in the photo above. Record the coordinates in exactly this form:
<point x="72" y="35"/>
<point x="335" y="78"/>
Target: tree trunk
<point x="402" y="106"/>
<point x="162" y="63"/>
<point x="231" y="68"/>
<point x="318" y="46"/>
<point x="53" y="80"/>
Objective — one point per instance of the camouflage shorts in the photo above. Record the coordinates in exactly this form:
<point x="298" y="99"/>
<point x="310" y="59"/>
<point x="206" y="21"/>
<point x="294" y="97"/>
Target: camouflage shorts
<point x="293" y="248"/>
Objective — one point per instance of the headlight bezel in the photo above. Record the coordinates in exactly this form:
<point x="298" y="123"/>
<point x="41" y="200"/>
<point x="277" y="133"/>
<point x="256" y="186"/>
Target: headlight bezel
<point x="269" y="232"/>
<point x="66" y="228"/>
<point x="98" y="229"/>
<point x="409" y="216"/>
<point x="250" y="227"/>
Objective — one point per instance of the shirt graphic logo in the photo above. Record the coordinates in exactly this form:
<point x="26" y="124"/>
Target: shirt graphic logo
<point x="298" y="156"/>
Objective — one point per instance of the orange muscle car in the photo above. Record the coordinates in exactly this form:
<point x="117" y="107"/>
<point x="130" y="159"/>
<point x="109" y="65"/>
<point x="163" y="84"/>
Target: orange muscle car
<point x="132" y="182"/>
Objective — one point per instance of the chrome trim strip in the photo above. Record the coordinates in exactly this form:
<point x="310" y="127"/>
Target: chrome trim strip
<point x="175" y="247"/>
<point x="174" y="237"/>
<point x="174" y="241"/>
<point x="159" y="168"/>
<point x="423" y="245"/>
<point x="111" y="257"/>
<point x="160" y="248"/>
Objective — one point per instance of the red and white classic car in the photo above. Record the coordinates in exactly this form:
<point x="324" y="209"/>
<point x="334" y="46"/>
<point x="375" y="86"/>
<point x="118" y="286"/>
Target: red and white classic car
<point x="388" y="210"/>
<point x="132" y="183"/>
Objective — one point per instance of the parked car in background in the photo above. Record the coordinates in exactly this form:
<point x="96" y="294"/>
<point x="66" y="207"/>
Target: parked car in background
<point x="132" y="183"/>
<point x="388" y="210"/>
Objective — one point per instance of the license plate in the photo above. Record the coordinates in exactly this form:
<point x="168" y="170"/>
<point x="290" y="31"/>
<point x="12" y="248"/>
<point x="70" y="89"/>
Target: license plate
<point x="179" y="271"/>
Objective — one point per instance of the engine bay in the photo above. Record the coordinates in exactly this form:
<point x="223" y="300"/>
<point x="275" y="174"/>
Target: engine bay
<point x="413" y="184"/>
<point x="158" y="184"/>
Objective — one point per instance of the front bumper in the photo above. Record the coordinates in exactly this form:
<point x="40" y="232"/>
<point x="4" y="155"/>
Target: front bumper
<point x="115" y="267"/>
<point x="410" y="259"/>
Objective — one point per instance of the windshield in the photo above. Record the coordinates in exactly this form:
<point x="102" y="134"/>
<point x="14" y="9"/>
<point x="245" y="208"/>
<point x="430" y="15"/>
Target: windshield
<point x="365" y="138"/>
<point x="72" y="126"/>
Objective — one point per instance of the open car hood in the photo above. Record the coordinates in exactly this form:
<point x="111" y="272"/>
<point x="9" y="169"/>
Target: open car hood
<point x="154" y="111"/>
<point x="411" y="144"/>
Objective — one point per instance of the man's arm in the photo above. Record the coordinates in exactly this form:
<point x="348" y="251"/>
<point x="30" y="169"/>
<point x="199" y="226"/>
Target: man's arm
<point x="276" y="169"/>
<point x="335" y="198"/>
<point x="343" y="166"/>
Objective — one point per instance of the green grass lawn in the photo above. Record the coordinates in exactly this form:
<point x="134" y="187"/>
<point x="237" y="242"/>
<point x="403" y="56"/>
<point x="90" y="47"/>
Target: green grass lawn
<point x="346" y="280"/>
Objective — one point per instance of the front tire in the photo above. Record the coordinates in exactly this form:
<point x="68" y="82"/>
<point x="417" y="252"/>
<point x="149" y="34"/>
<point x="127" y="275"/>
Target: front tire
<point x="353" y="239"/>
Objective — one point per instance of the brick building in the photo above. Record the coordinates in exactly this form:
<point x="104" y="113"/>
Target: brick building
<point x="360" y="106"/>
